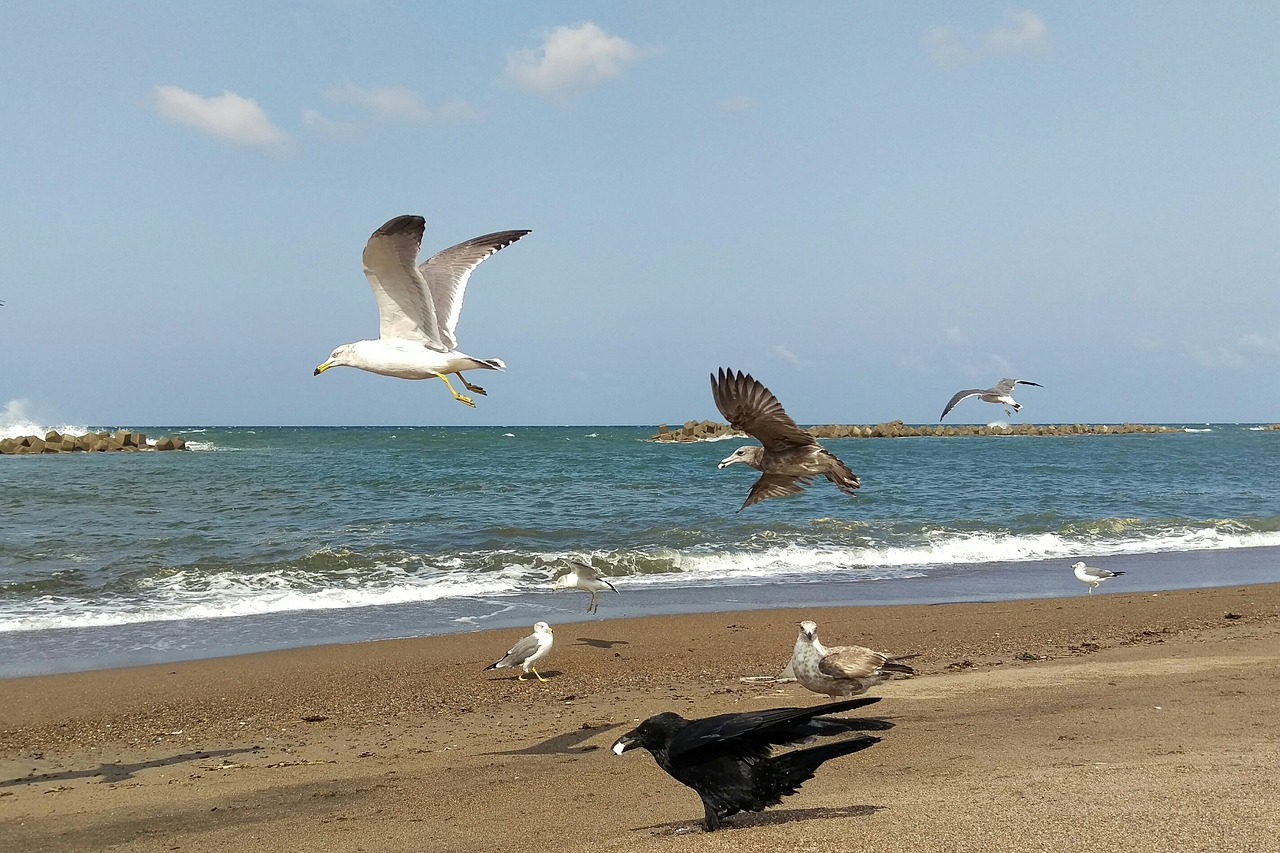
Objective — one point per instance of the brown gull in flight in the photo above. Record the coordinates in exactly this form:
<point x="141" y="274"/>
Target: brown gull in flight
<point x="418" y="306"/>
<point x="789" y="457"/>
<point x="999" y="394"/>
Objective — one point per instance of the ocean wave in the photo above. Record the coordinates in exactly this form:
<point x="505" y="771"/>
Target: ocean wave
<point x="343" y="578"/>
<point x="17" y="420"/>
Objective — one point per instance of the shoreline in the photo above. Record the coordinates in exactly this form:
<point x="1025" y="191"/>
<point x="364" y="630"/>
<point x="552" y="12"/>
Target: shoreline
<point x="76" y="649"/>
<point x="369" y="746"/>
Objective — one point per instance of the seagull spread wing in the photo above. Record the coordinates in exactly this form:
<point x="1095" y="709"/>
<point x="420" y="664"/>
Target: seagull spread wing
<point x="775" y="486"/>
<point x="960" y="395"/>
<point x="446" y="273"/>
<point x="1027" y="382"/>
<point x="405" y="309"/>
<point x="752" y="408"/>
<point x="585" y="571"/>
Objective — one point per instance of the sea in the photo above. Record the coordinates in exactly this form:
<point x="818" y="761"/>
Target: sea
<point x="265" y="538"/>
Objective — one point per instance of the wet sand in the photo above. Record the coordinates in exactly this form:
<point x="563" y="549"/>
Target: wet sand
<point x="1132" y="722"/>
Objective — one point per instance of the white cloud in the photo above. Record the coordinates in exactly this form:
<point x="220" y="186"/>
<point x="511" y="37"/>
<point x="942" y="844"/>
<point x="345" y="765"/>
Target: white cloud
<point x="228" y="116"/>
<point x="318" y="122"/>
<point x="389" y="103"/>
<point x="570" y="58"/>
<point x="953" y="335"/>
<point x="784" y="352"/>
<point x="1244" y="351"/>
<point x="1021" y="34"/>
<point x="461" y="112"/>
<point x="995" y="366"/>
<point x="738" y="104"/>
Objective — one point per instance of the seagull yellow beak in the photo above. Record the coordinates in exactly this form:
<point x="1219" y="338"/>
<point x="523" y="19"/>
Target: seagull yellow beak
<point x="322" y="368"/>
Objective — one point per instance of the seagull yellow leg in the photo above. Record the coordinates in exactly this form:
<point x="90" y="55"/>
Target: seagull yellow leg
<point x="520" y="676"/>
<point x="535" y="672"/>
<point x="466" y="401"/>
<point x="474" y="389"/>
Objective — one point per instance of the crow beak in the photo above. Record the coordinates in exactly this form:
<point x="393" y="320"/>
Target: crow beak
<point x="623" y="744"/>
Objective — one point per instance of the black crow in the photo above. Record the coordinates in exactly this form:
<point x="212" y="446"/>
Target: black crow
<point x="726" y="759"/>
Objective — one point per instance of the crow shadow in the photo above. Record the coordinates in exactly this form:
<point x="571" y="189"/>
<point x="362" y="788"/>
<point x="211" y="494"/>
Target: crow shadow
<point x="775" y="817"/>
<point x="565" y="744"/>
<point x="600" y="644"/>
<point x="118" y="772"/>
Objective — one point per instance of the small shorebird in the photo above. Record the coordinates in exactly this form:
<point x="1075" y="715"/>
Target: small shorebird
<point x="789" y="457"/>
<point x="841" y="670"/>
<point x="418" y="307"/>
<point x="1092" y="575"/>
<point x="999" y="394"/>
<point x="527" y="652"/>
<point x="586" y="578"/>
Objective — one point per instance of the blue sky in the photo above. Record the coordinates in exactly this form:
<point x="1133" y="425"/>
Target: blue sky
<point x="868" y="206"/>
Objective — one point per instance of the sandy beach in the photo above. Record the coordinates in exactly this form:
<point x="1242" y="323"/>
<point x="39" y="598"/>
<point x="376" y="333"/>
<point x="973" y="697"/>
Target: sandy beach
<point x="1133" y="722"/>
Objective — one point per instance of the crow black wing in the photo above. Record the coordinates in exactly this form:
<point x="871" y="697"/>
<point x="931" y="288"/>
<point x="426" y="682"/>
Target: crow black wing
<point x="752" y="734"/>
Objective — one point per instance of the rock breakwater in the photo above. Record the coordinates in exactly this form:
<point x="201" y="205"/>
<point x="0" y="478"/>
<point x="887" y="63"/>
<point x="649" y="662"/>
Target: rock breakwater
<point x="711" y="430"/>
<point x="91" y="442"/>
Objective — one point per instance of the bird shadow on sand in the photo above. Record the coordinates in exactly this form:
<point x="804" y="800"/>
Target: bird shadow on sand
<point x="748" y="820"/>
<point x="600" y="644"/>
<point x="118" y="772"/>
<point x="569" y="743"/>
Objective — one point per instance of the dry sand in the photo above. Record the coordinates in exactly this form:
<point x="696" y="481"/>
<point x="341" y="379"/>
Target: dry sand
<point x="1109" y="722"/>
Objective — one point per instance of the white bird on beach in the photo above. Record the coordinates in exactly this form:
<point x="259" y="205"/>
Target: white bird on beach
<point x="418" y="306"/>
<point x="999" y="394"/>
<point x="1092" y="575"/>
<point x="527" y="652"/>
<point x="841" y="670"/>
<point x="585" y="577"/>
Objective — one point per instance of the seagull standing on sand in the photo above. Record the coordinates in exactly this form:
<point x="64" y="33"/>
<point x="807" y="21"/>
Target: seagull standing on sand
<point x="418" y="306"/>
<point x="727" y="759"/>
<point x="1092" y="575"/>
<point x="999" y="394"/>
<point x="789" y="457"/>
<point x="585" y="577"/>
<point x="841" y="670"/>
<point x="527" y="652"/>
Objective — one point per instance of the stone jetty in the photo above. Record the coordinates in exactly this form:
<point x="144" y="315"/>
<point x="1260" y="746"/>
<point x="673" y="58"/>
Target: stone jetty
<point x="710" y="430"/>
<point x="91" y="442"/>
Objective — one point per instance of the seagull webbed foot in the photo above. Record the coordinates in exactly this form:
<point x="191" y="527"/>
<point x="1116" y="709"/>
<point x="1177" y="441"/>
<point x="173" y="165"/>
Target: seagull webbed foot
<point x="474" y="389"/>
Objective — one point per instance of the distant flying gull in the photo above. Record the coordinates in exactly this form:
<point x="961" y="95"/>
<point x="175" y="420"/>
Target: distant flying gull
<point x="1092" y="575"/>
<point x="527" y="652"/>
<point x="586" y="578"/>
<point x="999" y="394"/>
<point x="790" y="457"/>
<point x="418" y="306"/>
<point x="841" y="670"/>
<point x="726" y="759"/>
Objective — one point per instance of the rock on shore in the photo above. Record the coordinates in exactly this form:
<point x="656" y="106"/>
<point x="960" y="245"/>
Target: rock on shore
<point x="90" y="442"/>
<point x="710" y="430"/>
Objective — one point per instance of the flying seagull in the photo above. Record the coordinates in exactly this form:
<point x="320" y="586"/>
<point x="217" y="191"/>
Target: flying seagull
<point x="789" y="457"/>
<point x="586" y="578"/>
<point x="727" y="760"/>
<point x="527" y="652"/>
<point x="1092" y="575"/>
<point x="418" y="306"/>
<point x="999" y="394"/>
<point x="841" y="670"/>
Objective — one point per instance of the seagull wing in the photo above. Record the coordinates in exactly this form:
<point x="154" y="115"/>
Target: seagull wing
<point x="521" y="651"/>
<point x="960" y="395"/>
<point x="405" y="309"/>
<point x="752" y="408"/>
<point x="446" y="273"/>
<point x="1095" y="572"/>
<point x="851" y="662"/>
<point x="585" y="571"/>
<point x="775" y="486"/>
<point x="1027" y="382"/>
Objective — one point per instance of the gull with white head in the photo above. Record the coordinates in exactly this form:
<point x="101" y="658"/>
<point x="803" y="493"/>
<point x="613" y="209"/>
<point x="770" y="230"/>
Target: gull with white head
<point x="418" y="306"/>
<point x="1092" y="575"/>
<point x="788" y="457"/>
<point x="527" y="652"/>
<point x="999" y="394"/>
<point x="585" y="577"/>
<point x="841" y="670"/>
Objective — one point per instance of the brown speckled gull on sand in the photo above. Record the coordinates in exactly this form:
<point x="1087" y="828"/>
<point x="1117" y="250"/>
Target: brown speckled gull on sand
<point x="841" y="670"/>
<point x="789" y="457"/>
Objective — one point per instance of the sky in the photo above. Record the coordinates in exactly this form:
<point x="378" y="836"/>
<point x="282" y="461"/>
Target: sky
<point x="866" y="206"/>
